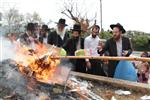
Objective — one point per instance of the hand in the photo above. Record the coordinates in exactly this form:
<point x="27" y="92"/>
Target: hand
<point x="99" y="47"/>
<point x="124" y="53"/>
<point x="88" y="64"/>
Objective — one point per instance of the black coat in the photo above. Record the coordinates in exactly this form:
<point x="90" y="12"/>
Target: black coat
<point x="111" y="49"/>
<point x="55" y="39"/>
<point x="71" y="46"/>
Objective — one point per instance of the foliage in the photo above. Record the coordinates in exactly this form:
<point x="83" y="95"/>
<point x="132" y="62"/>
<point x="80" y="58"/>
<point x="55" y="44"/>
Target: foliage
<point x="105" y="35"/>
<point x="141" y="42"/>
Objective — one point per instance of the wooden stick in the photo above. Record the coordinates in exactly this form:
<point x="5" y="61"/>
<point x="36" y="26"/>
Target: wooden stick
<point x="138" y="87"/>
<point x="105" y="58"/>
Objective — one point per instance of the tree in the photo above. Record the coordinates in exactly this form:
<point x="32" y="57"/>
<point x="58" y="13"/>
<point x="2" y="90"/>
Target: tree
<point x="35" y="18"/>
<point x="106" y="34"/>
<point x="14" y="20"/>
<point x="141" y="42"/>
<point x="72" y="11"/>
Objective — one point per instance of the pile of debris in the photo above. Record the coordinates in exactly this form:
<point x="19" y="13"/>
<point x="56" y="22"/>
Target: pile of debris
<point x="16" y="86"/>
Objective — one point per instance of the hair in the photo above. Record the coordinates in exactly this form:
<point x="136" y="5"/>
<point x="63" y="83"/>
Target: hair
<point x="145" y="53"/>
<point x="95" y="26"/>
<point x="45" y="27"/>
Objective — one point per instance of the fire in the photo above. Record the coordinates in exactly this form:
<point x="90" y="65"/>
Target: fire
<point x="37" y="62"/>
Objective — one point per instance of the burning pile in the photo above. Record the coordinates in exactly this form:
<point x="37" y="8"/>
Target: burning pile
<point x="38" y="62"/>
<point x="39" y="73"/>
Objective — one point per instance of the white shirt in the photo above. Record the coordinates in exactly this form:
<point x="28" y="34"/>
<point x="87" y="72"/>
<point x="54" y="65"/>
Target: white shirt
<point x="119" y="47"/>
<point x="91" y="44"/>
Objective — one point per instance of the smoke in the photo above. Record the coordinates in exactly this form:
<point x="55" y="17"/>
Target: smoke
<point x="7" y="49"/>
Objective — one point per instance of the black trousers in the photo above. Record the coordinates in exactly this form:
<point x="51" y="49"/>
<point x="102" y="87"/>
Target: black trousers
<point x="96" y="68"/>
<point x="79" y="65"/>
<point x="112" y="67"/>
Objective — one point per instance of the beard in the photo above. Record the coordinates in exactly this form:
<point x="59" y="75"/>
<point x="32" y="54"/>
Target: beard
<point x="76" y="39"/>
<point x="94" y="35"/>
<point x="116" y="38"/>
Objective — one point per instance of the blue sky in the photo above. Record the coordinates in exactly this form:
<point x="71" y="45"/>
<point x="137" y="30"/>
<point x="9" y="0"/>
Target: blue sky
<point x="132" y="14"/>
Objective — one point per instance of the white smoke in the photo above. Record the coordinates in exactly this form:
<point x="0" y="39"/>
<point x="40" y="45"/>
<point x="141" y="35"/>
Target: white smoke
<point x="7" y="49"/>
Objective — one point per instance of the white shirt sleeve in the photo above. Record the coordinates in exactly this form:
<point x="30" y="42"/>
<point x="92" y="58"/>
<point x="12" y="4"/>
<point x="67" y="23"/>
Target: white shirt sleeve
<point x="86" y="46"/>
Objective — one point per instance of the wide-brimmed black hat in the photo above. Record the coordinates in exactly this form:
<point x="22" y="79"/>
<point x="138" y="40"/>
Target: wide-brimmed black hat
<point x="62" y="22"/>
<point x="119" y="26"/>
<point x="76" y="27"/>
<point x="45" y="27"/>
<point x="30" y="27"/>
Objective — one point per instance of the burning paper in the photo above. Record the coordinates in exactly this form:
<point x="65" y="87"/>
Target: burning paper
<point x="38" y="63"/>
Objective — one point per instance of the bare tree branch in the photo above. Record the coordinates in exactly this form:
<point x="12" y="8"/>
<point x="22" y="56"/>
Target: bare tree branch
<point x="71" y="11"/>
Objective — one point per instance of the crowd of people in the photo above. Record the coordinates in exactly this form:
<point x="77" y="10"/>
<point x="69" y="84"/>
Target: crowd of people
<point x="117" y="46"/>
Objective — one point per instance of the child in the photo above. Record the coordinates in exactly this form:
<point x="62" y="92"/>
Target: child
<point x="143" y="73"/>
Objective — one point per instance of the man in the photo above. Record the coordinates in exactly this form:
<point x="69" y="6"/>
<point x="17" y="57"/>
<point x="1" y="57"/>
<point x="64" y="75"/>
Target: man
<point x="58" y="37"/>
<point x="43" y="34"/>
<point x="73" y="44"/>
<point x="91" y="43"/>
<point x="28" y="38"/>
<point x="116" y="46"/>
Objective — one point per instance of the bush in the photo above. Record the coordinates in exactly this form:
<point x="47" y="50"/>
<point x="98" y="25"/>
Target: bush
<point x="105" y="35"/>
<point x="141" y="42"/>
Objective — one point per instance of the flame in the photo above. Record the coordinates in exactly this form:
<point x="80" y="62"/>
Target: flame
<point x="38" y="62"/>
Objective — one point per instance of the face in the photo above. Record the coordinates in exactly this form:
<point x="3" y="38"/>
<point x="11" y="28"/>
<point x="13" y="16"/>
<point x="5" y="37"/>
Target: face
<point x="116" y="33"/>
<point x="61" y="27"/>
<point x="43" y="31"/>
<point x="95" y="31"/>
<point x="75" y="34"/>
<point x="37" y="29"/>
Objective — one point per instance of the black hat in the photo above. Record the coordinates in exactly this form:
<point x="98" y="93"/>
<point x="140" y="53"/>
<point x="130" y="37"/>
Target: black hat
<point x="62" y="21"/>
<point x="45" y="27"/>
<point x="30" y="27"/>
<point x="77" y="27"/>
<point x="119" y="26"/>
